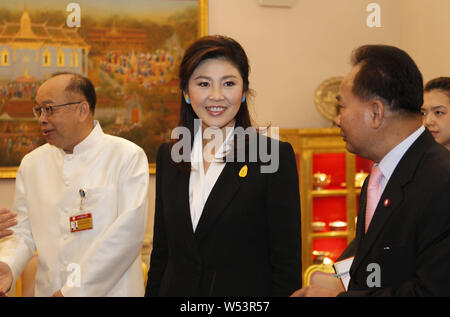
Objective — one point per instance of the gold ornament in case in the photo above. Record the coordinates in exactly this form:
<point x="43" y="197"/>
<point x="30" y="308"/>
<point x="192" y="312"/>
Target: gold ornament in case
<point x="359" y="178"/>
<point x="320" y="180"/>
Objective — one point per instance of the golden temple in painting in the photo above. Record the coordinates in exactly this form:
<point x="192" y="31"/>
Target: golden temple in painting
<point x="32" y="51"/>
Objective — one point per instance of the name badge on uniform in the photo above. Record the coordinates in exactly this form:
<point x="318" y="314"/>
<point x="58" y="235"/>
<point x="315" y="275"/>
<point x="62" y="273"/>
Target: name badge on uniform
<point x="83" y="221"/>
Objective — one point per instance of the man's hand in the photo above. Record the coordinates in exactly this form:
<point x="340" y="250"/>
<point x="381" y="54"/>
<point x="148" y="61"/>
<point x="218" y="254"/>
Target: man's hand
<point x="315" y="291"/>
<point x="322" y="284"/>
<point x="7" y="219"/>
<point x="6" y="279"/>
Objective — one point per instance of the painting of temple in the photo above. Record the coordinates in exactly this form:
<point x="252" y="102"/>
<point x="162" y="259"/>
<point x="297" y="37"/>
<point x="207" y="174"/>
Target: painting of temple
<point x="29" y="53"/>
<point x="132" y="60"/>
<point x="32" y="51"/>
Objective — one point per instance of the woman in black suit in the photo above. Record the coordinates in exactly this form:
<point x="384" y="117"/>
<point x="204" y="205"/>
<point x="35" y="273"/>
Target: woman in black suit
<point x="227" y="211"/>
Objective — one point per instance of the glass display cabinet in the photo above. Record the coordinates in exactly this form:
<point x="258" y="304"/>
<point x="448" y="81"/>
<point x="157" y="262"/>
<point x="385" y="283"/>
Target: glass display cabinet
<point x="330" y="180"/>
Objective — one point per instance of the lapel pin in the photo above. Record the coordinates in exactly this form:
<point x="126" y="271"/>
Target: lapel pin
<point x="386" y="202"/>
<point x="243" y="171"/>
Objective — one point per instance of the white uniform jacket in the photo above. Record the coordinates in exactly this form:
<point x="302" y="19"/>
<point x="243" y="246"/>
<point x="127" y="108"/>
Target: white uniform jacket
<point x="104" y="260"/>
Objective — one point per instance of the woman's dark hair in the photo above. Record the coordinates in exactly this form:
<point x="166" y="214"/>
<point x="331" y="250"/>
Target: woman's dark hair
<point x="390" y="74"/>
<point x="440" y="83"/>
<point x="82" y="85"/>
<point x="212" y="47"/>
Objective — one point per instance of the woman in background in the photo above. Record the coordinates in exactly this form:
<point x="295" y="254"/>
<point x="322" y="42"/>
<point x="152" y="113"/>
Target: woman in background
<point x="223" y="226"/>
<point x="436" y="109"/>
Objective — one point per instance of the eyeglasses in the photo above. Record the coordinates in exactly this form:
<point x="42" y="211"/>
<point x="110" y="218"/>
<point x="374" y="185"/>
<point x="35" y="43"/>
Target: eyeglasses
<point x="49" y="110"/>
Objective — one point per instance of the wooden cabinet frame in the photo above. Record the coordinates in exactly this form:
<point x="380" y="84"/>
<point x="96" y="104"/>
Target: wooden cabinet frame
<point x="306" y="143"/>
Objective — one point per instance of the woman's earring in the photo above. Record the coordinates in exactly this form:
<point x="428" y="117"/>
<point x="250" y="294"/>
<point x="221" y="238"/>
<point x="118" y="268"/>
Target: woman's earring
<point x="243" y="99"/>
<point x="188" y="101"/>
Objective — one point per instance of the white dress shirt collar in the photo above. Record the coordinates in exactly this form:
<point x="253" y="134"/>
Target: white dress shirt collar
<point x="390" y="160"/>
<point x="201" y="183"/>
<point x="90" y="141"/>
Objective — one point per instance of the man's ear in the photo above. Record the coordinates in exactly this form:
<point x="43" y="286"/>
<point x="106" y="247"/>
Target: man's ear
<point x="377" y="112"/>
<point x="84" y="110"/>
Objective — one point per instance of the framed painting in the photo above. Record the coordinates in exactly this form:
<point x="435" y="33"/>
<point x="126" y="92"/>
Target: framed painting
<point x="130" y="50"/>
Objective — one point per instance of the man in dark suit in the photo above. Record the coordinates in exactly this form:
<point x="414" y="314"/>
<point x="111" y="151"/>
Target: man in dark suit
<point x="402" y="244"/>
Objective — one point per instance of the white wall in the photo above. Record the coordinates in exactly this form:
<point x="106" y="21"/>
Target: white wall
<point x="292" y="50"/>
<point x="425" y="35"/>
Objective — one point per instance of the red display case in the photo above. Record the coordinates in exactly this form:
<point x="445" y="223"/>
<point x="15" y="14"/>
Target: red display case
<point x="330" y="179"/>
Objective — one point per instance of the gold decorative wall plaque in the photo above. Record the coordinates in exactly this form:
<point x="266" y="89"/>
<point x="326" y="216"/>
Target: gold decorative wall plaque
<point x="325" y="98"/>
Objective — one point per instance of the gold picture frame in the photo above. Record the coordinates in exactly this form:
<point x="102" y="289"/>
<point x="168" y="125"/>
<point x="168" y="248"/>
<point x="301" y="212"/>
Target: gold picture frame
<point x="10" y="172"/>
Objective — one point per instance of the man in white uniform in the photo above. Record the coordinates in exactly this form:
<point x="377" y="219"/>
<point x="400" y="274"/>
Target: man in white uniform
<point x="81" y="201"/>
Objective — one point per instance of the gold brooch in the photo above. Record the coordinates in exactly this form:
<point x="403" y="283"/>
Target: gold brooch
<point x="243" y="171"/>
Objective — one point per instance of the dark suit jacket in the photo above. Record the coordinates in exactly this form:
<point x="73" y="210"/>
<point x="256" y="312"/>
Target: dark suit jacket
<point x="409" y="237"/>
<point x="247" y="241"/>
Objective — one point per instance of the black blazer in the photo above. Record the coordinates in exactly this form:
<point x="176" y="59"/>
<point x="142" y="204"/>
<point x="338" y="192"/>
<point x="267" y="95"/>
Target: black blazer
<point x="247" y="241"/>
<point x="409" y="235"/>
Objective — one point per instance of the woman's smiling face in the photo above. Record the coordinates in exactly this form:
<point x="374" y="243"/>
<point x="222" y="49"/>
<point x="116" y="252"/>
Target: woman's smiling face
<point x="215" y="91"/>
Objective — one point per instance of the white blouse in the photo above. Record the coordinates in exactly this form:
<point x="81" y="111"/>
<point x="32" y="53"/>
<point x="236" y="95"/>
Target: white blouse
<point x="201" y="183"/>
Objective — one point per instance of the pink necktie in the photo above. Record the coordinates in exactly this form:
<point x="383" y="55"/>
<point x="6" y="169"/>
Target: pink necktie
<point x="373" y="193"/>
